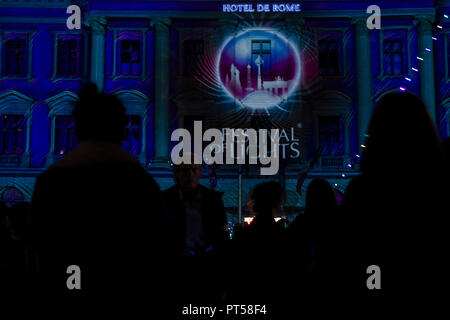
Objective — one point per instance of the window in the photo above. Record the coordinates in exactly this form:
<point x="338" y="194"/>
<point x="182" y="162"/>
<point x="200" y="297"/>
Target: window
<point x="12" y="196"/>
<point x="65" y="139"/>
<point x="329" y="57"/>
<point x="133" y="142"/>
<point x="15" y="57"/>
<point x="262" y="48"/>
<point x="13" y="136"/>
<point x="193" y="51"/>
<point x="330" y="136"/>
<point x="393" y="61"/>
<point x="130" y="57"/>
<point x="68" y="58"/>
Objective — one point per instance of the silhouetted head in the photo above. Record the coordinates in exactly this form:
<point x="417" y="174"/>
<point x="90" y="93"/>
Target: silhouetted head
<point x="401" y="138"/>
<point x="187" y="175"/>
<point x="99" y="116"/>
<point x="266" y="198"/>
<point x="320" y="199"/>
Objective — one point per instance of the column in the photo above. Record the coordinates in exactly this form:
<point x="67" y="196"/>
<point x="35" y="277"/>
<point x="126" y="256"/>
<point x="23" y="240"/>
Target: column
<point x="26" y="157"/>
<point x="426" y="67"/>
<point x="162" y="53"/>
<point x="50" y="158"/>
<point x="363" y="77"/>
<point x="143" y="153"/>
<point x="97" y="76"/>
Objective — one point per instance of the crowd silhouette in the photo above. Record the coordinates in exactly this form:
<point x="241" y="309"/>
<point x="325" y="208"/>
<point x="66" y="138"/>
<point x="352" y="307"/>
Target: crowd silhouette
<point x="99" y="209"/>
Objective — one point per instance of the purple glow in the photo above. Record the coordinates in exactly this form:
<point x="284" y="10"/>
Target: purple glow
<point x="249" y="73"/>
<point x="428" y="49"/>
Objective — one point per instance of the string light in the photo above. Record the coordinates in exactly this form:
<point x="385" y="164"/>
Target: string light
<point x="434" y="38"/>
<point x="414" y="69"/>
<point x="402" y="89"/>
<point x="428" y="49"/>
<point x="358" y="156"/>
<point x="445" y="16"/>
<point x="407" y="79"/>
<point x="419" y="58"/>
<point x="440" y="27"/>
<point x="363" y="146"/>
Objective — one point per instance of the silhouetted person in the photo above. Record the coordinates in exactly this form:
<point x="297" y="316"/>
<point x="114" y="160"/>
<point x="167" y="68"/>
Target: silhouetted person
<point x="259" y="251"/>
<point x="394" y="210"/>
<point x="311" y="234"/>
<point x="197" y="213"/>
<point x="197" y="216"/>
<point x="97" y="208"/>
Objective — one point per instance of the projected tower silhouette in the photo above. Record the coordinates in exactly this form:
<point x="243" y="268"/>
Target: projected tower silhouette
<point x="259" y="61"/>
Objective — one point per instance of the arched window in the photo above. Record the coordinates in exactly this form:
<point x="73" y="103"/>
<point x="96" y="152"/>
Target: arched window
<point x="15" y="123"/>
<point x="135" y="140"/>
<point x="62" y="128"/>
<point x="331" y="133"/>
<point x="11" y="196"/>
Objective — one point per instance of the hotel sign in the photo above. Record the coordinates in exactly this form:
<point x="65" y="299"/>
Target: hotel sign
<point x="261" y="7"/>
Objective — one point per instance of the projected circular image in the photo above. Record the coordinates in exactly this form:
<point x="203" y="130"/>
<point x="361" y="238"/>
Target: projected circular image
<point x="259" y="68"/>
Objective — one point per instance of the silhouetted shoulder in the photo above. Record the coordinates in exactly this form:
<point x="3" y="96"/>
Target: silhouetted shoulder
<point x="210" y="193"/>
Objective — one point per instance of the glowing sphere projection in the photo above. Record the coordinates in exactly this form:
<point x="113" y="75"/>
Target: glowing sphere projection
<point x="259" y="68"/>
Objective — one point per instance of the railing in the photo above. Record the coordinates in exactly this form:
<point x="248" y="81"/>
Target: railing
<point x="332" y="162"/>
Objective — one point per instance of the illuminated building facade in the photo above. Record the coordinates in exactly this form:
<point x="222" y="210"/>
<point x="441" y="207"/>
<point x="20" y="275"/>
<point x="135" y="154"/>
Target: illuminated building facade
<point x="161" y="59"/>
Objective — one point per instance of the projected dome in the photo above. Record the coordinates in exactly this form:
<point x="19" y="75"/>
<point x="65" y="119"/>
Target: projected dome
<point x="259" y="68"/>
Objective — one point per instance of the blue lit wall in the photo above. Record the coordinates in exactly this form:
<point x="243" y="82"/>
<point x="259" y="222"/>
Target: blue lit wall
<point x="320" y="20"/>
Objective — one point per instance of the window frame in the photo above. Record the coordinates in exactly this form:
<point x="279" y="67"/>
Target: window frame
<point x="185" y="65"/>
<point x="61" y="104"/>
<point x="338" y="52"/>
<point x="401" y="33"/>
<point x="133" y="34"/>
<point x="29" y="36"/>
<point x="2" y="134"/>
<point x="343" y="35"/>
<point x="340" y="132"/>
<point x="137" y="103"/>
<point x="392" y="53"/>
<point x="57" y="153"/>
<point x="192" y="33"/>
<point x="13" y="102"/>
<point x="83" y="54"/>
<point x="140" y="132"/>
<point x="334" y="103"/>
